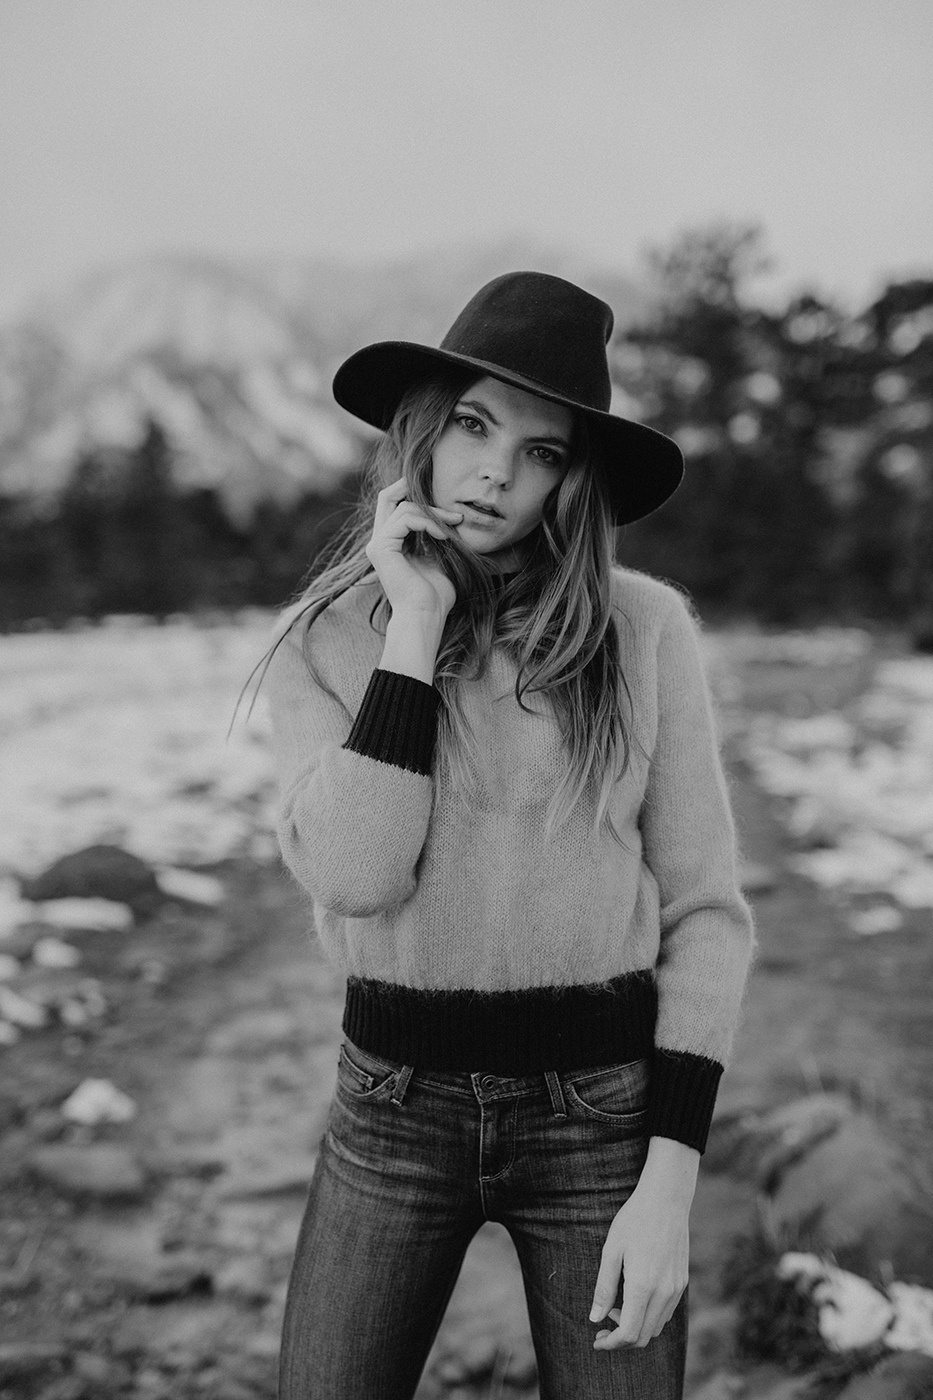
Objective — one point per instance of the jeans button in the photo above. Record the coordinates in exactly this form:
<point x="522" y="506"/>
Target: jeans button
<point x="488" y="1082"/>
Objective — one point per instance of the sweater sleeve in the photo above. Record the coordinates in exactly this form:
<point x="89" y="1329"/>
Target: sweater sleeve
<point x="706" y="925"/>
<point x="354" y="797"/>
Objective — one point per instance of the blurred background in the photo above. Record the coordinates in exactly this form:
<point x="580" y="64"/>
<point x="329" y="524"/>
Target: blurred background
<point x="205" y="205"/>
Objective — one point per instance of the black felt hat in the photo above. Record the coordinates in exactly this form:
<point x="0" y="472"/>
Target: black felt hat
<point x="542" y="334"/>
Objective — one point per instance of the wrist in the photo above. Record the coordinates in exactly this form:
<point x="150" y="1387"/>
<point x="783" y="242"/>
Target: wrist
<point x="671" y="1166"/>
<point x="411" y="644"/>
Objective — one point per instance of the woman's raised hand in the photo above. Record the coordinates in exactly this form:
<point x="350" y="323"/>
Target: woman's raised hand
<point x="412" y="585"/>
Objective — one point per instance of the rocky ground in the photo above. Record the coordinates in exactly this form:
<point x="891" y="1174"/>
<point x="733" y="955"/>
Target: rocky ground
<point x="145" y="1240"/>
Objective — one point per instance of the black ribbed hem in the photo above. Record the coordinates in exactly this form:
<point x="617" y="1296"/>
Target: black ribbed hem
<point x="397" y="722"/>
<point x="683" y="1095"/>
<point x="505" y="1033"/>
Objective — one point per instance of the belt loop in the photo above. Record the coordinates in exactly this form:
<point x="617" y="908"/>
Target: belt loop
<point x="556" y="1092"/>
<point x="401" y="1085"/>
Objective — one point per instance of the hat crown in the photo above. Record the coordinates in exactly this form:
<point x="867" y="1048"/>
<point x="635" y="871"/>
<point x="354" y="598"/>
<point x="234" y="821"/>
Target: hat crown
<point x="540" y="328"/>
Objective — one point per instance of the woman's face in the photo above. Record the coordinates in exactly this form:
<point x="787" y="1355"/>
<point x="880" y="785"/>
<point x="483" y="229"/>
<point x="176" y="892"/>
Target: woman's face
<point x="498" y="459"/>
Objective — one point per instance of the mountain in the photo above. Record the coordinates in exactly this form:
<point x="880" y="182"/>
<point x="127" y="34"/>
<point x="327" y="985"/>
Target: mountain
<point x="233" y="359"/>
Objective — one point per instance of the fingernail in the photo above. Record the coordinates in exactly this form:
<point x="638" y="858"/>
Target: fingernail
<point x="596" y="1313"/>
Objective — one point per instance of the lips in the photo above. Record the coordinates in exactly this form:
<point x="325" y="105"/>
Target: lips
<point x="484" y="508"/>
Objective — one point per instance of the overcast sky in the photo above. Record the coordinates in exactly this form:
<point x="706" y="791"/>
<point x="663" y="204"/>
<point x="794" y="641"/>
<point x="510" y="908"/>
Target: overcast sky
<point x="371" y="127"/>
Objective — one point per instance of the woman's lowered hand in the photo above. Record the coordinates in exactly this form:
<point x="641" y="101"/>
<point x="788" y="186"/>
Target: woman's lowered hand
<point x="645" y="1257"/>
<point x="415" y="586"/>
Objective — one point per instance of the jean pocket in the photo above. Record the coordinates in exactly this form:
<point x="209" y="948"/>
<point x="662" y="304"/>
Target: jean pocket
<point x="614" y="1094"/>
<point x="361" y="1075"/>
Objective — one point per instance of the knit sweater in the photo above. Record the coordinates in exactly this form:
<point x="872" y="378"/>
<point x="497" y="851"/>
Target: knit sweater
<point x="472" y="940"/>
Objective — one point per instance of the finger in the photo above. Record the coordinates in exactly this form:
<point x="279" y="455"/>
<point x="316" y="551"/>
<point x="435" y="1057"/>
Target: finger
<point x="669" y="1312"/>
<point x="607" y="1284"/>
<point x="631" y="1319"/>
<point x="408" y="516"/>
<point x="388" y="498"/>
<point x="653" y="1321"/>
<point x="394" y="533"/>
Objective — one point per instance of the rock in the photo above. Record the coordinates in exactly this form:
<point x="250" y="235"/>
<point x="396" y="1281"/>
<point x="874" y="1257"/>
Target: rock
<point x="21" y="1360"/>
<point x="98" y="1101"/>
<point x="782" y="1387"/>
<point x="264" y="1346"/>
<point x="760" y="1147"/>
<point x="90" y="915"/>
<point x="9" y="967"/>
<point x="254" y="1032"/>
<point x="521" y="1367"/>
<point x="129" y="1250"/>
<point x="880" y="918"/>
<point x="276" y="1180"/>
<point x="757" y="879"/>
<point x="96" y="1370"/>
<point x="243" y="1278"/>
<point x="905" y="1376"/>
<point x="103" y="872"/>
<point x="100" y="1171"/>
<point x="474" y="1359"/>
<point x="709" y="1341"/>
<point x="724" y="1385"/>
<point x="852" y="1192"/>
<point x="15" y="1282"/>
<point x="14" y="910"/>
<point x="912" y="1329"/>
<point x="65" y="1388"/>
<point x="20" y="941"/>
<point x="75" y="999"/>
<point x="21" y="1011"/>
<point x="190" y="885"/>
<point x="181" y="1274"/>
<point x="852" y="1313"/>
<point x="53" y="952"/>
<point x="207" y="1097"/>
<point x="152" y="1385"/>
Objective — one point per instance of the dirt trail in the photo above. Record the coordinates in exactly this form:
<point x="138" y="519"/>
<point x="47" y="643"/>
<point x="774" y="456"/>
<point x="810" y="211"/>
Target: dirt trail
<point x="223" y="1027"/>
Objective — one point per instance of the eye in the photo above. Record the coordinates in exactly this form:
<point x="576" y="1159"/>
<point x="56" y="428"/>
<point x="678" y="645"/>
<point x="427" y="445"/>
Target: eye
<point x="469" y="423"/>
<point x="547" y="456"/>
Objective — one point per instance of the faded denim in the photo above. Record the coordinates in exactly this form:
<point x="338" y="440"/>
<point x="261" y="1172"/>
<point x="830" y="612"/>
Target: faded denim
<point x="411" y="1165"/>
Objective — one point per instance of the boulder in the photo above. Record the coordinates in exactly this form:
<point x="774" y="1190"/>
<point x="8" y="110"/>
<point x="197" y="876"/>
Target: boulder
<point x="761" y="1146"/>
<point x="278" y="1179"/>
<point x="254" y="1032"/>
<point x="852" y="1194"/>
<point x="722" y="1385"/>
<point x="907" y="1375"/>
<point x="756" y="878"/>
<point x="710" y="1341"/>
<point x="21" y="1360"/>
<point x="101" y="871"/>
<point x="100" y="1171"/>
<point x="244" y="1278"/>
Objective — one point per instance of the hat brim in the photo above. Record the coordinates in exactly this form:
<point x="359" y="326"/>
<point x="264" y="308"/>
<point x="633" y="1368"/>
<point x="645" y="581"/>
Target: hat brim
<point x="644" y="467"/>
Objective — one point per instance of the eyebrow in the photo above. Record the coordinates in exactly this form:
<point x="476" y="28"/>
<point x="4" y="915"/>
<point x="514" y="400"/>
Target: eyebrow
<point x="485" y="412"/>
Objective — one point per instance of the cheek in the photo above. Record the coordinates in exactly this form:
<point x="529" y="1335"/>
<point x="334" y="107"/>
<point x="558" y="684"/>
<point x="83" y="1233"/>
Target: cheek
<point x="444" y="473"/>
<point x="536" y="498"/>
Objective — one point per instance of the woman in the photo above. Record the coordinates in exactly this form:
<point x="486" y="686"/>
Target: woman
<point x="500" y="785"/>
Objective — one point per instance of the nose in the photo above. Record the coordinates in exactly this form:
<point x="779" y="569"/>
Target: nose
<point x="498" y="468"/>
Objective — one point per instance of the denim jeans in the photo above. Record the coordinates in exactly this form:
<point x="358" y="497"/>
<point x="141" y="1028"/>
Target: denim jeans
<point x="411" y="1165"/>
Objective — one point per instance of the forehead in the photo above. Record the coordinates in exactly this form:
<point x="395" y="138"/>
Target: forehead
<point x="518" y="408"/>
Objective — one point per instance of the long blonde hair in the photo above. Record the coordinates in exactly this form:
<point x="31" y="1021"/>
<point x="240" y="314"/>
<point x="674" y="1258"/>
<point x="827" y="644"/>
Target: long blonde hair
<point x="554" y="618"/>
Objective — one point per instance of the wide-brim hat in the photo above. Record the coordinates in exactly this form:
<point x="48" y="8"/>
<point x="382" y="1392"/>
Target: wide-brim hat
<point x="542" y="334"/>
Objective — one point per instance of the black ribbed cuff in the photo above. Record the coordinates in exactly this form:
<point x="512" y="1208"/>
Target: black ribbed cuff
<point x="397" y="722"/>
<point x="683" y="1096"/>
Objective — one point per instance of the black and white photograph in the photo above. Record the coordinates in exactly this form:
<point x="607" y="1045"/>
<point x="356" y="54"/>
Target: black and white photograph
<point x="466" y="700"/>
